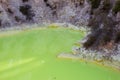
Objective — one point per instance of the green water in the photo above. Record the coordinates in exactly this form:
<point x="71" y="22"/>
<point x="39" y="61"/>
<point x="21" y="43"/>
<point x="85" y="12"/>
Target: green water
<point x="31" y="55"/>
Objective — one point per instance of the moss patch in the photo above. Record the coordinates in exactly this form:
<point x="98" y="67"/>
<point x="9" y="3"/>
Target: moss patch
<point x="95" y="3"/>
<point x="117" y="6"/>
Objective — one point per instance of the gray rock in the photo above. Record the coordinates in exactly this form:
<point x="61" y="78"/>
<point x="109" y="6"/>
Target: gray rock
<point x="40" y="11"/>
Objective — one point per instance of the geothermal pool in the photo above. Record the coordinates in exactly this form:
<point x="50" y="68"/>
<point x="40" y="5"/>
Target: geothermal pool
<point x="32" y="55"/>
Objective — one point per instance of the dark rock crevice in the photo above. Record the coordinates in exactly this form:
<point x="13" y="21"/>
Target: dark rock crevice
<point x="25" y="1"/>
<point x="27" y="11"/>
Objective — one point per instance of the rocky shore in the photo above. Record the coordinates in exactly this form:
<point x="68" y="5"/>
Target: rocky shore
<point x="100" y="57"/>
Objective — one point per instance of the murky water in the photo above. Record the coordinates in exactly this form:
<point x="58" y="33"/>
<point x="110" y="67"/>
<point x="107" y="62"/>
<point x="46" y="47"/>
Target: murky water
<point x="31" y="55"/>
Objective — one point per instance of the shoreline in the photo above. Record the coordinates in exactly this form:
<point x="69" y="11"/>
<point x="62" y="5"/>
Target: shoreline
<point x="104" y="63"/>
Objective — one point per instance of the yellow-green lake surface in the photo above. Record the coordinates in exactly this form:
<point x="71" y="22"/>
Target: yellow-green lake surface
<point x="32" y="55"/>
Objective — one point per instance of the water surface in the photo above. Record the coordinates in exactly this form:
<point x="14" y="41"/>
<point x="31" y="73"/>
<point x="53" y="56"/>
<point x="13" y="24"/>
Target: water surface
<point x="31" y="55"/>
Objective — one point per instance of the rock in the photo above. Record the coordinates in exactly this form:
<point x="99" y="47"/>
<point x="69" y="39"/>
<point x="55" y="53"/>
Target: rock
<point x="68" y="56"/>
<point x="50" y="11"/>
<point x="75" y="50"/>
